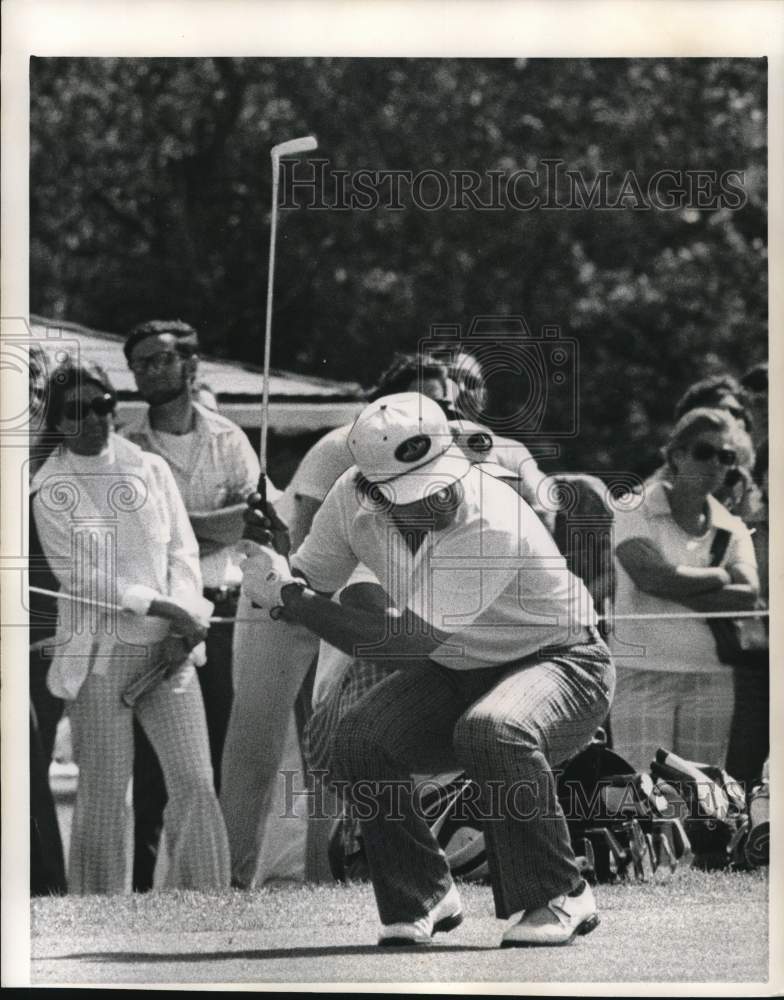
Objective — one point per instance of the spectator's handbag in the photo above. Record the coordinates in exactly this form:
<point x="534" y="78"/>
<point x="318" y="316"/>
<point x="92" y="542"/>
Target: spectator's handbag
<point x="734" y="644"/>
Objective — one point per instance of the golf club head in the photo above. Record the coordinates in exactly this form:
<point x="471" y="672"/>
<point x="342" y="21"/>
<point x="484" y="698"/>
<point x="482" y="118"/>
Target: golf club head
<point x="294" y="147"/>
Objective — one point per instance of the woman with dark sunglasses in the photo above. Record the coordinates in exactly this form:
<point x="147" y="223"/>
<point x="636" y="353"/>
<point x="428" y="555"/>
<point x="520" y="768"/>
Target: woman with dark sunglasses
<point x="672" y="689"/>
<point x="114" y="530"/>
<point x="736" y="490"/>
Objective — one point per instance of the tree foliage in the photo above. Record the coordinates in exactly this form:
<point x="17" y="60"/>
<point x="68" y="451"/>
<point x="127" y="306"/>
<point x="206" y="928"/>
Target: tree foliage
<point x="151" y="185"/>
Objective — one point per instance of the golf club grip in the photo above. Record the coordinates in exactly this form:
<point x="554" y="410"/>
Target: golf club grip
<point x="261" y="488"/>
<point x="250" y="531"/>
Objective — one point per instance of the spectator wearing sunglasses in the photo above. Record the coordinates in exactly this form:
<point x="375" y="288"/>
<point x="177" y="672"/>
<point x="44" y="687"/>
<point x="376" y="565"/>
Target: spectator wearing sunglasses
<point x="114" y="529"/>
<point x="737" y="490"/>
<point x="673" y="691"/>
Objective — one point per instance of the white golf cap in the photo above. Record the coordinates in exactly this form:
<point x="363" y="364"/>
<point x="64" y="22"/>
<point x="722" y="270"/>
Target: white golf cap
<point x="404" y="445"/>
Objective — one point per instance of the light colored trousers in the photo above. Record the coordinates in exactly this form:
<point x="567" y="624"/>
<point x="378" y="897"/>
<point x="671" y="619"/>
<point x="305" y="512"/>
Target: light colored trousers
<point x="102" y="732"/>
<point x="269" y="662"/>
<point x="688" y="713"/>
<point x="506" y="726"/>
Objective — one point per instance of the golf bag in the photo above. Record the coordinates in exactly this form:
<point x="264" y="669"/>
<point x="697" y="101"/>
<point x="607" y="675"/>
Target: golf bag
<point x="725" y="828"/>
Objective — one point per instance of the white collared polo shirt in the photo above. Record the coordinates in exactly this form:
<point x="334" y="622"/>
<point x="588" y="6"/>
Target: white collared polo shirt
<point x="682" y="645"/>
<point x="494" y="580"/>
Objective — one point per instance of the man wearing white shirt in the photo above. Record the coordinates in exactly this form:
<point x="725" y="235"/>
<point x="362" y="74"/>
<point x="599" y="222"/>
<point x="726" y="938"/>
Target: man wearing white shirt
<point x="215" y="469"/>
<point x="500" y="669"/>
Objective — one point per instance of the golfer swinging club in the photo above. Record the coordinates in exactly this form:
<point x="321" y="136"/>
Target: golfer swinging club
<point x="500" y="670"/>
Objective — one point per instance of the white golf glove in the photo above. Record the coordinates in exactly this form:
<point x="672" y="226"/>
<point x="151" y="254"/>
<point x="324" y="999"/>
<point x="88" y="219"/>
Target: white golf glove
<point x="265" y="573"/>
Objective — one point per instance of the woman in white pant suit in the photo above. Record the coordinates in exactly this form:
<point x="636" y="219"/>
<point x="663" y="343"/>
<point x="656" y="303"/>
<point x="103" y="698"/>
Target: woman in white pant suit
<point x="114" y="529"/>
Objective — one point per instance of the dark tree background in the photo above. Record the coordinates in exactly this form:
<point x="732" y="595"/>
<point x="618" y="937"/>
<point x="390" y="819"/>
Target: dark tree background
<point x="150" y="194"/>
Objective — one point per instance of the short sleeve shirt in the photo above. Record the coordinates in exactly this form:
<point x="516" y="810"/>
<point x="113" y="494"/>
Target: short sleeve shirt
<point x="682" y="645"/>
<point x="494" y="580"/>
<point x="217" y="469"/>
<point x="321" y="466"/>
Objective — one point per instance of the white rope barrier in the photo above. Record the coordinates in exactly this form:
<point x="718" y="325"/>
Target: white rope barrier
<point x="651" y="616"/>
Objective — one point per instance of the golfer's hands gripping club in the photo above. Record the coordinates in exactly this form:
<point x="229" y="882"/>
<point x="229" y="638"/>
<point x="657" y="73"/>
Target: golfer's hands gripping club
<point x="263" y="527"/>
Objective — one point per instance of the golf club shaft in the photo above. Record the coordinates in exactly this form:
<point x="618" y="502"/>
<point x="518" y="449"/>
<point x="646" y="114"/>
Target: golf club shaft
<point x="262" y="487"/>
<point x="290" y="148"/>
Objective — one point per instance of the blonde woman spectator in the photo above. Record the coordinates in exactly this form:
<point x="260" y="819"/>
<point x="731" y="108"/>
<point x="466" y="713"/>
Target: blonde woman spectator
<point x="737" y="490"/>
<point x="672" y="689"/>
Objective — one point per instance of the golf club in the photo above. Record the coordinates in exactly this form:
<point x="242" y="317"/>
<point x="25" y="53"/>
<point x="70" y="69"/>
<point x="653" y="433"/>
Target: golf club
<point x="293" y="147"/>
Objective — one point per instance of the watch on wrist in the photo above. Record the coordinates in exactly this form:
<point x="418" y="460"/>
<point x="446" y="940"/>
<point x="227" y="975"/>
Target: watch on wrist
<point x="277" y="612"/>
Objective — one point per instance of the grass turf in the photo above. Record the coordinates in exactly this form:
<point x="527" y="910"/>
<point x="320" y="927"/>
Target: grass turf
<point x="690" y="927"/>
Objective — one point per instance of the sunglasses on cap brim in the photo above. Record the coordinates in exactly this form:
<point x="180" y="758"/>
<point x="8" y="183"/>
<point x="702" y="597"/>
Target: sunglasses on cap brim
<point x="78" y="410"/>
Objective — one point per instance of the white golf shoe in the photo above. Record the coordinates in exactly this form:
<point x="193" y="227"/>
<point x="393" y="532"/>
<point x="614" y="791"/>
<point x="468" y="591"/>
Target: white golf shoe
<point x="444" y="916"/>
<point x="554" y="924"/>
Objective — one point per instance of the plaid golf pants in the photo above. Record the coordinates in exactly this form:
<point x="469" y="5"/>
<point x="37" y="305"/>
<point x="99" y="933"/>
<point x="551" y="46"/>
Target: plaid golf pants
<point x="506" y="726"/>
<point x="172" y="716"/>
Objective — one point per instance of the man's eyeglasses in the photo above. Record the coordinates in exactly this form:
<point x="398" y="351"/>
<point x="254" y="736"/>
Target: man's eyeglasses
<point x="154" y="363"/>
<point x="702" y="451"/>
<point x="78" y="410"/>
